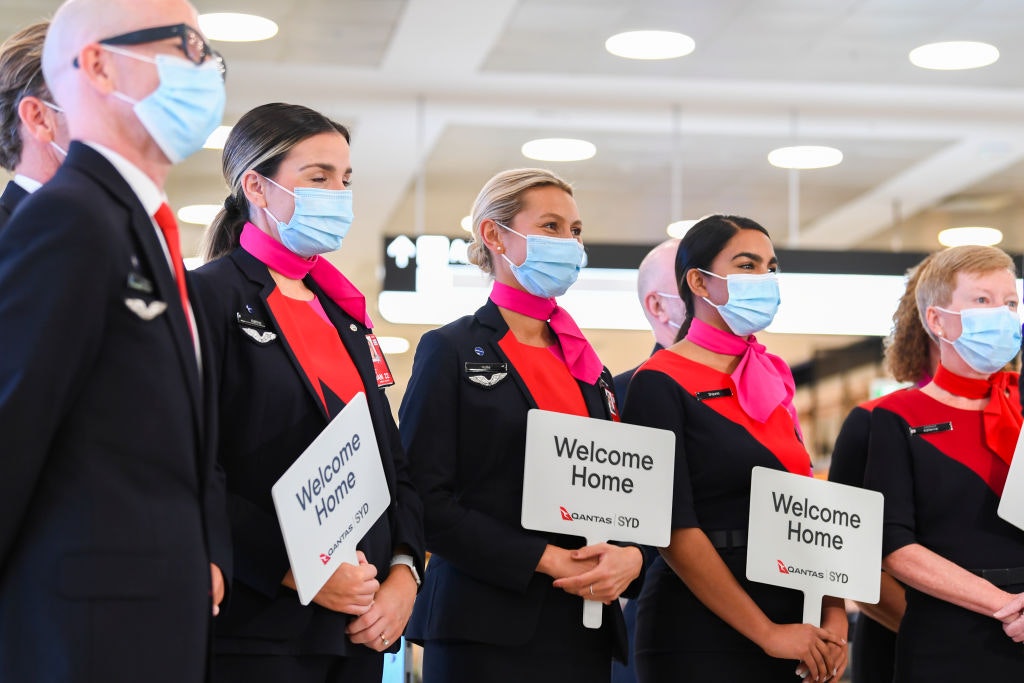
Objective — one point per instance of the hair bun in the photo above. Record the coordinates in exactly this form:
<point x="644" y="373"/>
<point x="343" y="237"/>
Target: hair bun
<point x="231" y="205"/>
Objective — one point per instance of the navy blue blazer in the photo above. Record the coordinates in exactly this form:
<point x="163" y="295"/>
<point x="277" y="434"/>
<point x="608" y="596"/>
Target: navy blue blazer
<point x="269" y="413"/>
<point x="622" y="379"/>
<point x="9" y="200"/>
<point x="108" y="512"/>
<point x="464" y="427"/>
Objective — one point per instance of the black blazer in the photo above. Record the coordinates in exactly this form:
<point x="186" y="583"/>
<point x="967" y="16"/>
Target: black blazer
<point x="9" y="200"/>
<point x="466" y="441"/>
<point x="106" y="524"/>
<point x="622" y="379"/>
<point x="269" y="413"/>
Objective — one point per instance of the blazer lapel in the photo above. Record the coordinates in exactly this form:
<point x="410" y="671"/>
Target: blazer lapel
<point x="489" y="316"/>
<point x="258" y="273"/>
<point x="142" y="226"/>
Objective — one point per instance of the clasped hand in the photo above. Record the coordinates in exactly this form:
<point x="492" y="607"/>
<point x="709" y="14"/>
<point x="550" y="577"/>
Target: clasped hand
<point x="597" y="572"/>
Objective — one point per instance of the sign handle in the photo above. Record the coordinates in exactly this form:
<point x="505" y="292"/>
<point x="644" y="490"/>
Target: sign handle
<point x="812" y="609"/>
<point x="593" y="609"/>
<point x="592" y="613"/>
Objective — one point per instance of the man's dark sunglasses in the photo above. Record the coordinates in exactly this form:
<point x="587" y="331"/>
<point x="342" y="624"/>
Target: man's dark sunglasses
<point x="195" y="49"/>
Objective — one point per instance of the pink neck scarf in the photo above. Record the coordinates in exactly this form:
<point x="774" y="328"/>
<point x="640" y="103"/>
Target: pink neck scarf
<point x="763" y="380"/>
<point x="580" y="357"/>
<point x="275" y="255"/>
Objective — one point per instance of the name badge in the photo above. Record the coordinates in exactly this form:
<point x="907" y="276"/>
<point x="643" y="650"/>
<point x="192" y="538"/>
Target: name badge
<point x="486" y="374"/>
<point x="932" y="429"/>
<point x="380" y="364"/>
<point x="715" y="393"/>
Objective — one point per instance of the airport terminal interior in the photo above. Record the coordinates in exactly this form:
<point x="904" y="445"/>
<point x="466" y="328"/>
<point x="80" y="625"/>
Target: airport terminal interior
<point x="441" y="94"/>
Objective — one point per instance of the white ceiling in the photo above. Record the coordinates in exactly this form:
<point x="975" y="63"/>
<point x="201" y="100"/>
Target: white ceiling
<point x="450" y="89"/>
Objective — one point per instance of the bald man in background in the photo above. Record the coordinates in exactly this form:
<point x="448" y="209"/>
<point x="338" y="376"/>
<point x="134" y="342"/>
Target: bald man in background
<point x="659" y="297"/>
<point x="33" y="134"/>
<point x="112" y="524"/>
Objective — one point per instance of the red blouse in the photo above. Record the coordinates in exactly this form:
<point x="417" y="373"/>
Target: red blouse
<point x="317" y="347"/>
<point x="546" y="376"/>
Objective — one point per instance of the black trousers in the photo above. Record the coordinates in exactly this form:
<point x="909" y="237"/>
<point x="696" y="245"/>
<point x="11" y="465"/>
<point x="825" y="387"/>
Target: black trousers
<point x="367" y="668"/>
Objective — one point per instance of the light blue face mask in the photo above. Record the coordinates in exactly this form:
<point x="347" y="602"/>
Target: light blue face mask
<point x="319" y="223"/>
<point x="551" y="266"/>
<point x="989" y="337"/>
<point x="753" y="301"/>
<point x="184" y="109"/>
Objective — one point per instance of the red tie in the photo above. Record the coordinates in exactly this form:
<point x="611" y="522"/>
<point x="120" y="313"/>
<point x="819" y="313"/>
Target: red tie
<point x="169" y="227"/>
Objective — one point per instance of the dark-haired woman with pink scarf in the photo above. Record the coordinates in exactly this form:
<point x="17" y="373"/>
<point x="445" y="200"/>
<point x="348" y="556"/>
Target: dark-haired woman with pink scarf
<point x="730" y="404"/>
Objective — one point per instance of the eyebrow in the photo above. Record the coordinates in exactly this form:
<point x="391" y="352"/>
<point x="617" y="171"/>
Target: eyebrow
<point x="330" y="168"/>
<point x="558" y="217"/>
<point x="756" y="258"/>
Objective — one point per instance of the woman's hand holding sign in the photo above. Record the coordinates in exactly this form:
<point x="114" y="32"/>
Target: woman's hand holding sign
<point x="350" y="589"/>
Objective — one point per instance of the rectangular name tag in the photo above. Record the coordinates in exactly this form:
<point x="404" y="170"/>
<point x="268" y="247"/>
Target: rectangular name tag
<point x="330" y="497"/>
<point x="932" y="428"/>
<point x="380" y="363"/>
<point x="814" y="536"/>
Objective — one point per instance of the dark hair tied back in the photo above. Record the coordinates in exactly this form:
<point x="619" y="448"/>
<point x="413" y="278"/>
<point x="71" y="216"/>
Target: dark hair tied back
<point x="231" y="205"/>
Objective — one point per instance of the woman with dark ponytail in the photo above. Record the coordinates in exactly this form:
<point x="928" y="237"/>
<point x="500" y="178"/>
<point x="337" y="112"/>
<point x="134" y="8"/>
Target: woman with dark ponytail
<point x="292" y="345"/>
<point x="730" y="405"/>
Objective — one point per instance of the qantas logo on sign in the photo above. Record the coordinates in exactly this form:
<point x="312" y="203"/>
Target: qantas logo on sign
<point x="325" y="558"/>
<point x="790" y="569"/>
<point x="565" y="514"/>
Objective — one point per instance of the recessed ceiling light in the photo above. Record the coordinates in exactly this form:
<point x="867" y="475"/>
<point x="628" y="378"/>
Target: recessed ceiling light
<point x="200" y="214"/>
<point x="805" y="156"/>
<point x="679" y="228"/>
<point x="467" y="223"/>
<point x="217" y="138"/>
<point x="650" y="45"/>
<point x="558" y="149"/>
<point x="236" y="28"/>
<point x="393" y="344"/>
<point x="959" y="237"/>
<point x="954" y="55"/>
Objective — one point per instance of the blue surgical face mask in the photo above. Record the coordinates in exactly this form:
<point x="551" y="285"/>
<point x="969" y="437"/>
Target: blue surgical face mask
<point x="185" y="108"/>
<point x="319" y="223"/>
<point x="551" y="266"/>
<point x="989" y="337"/>
<point x="753" y="301"/>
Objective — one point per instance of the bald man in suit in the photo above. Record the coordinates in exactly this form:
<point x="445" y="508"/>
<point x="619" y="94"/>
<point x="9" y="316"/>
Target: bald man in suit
<point x="112" y="521"/>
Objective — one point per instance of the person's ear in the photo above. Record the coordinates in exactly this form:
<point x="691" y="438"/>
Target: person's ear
<point x="696" y="282"/>
<point x="934" y="320"/>
<point x="490" y="235"/>
<point x="254" y="186"/>
<point x="653" y="305"/>
<point x="37" y="119"/>
<point x="97" y="65"/>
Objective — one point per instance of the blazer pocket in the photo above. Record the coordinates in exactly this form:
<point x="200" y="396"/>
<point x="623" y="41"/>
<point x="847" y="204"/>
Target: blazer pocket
<point x="110" y="577"/>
